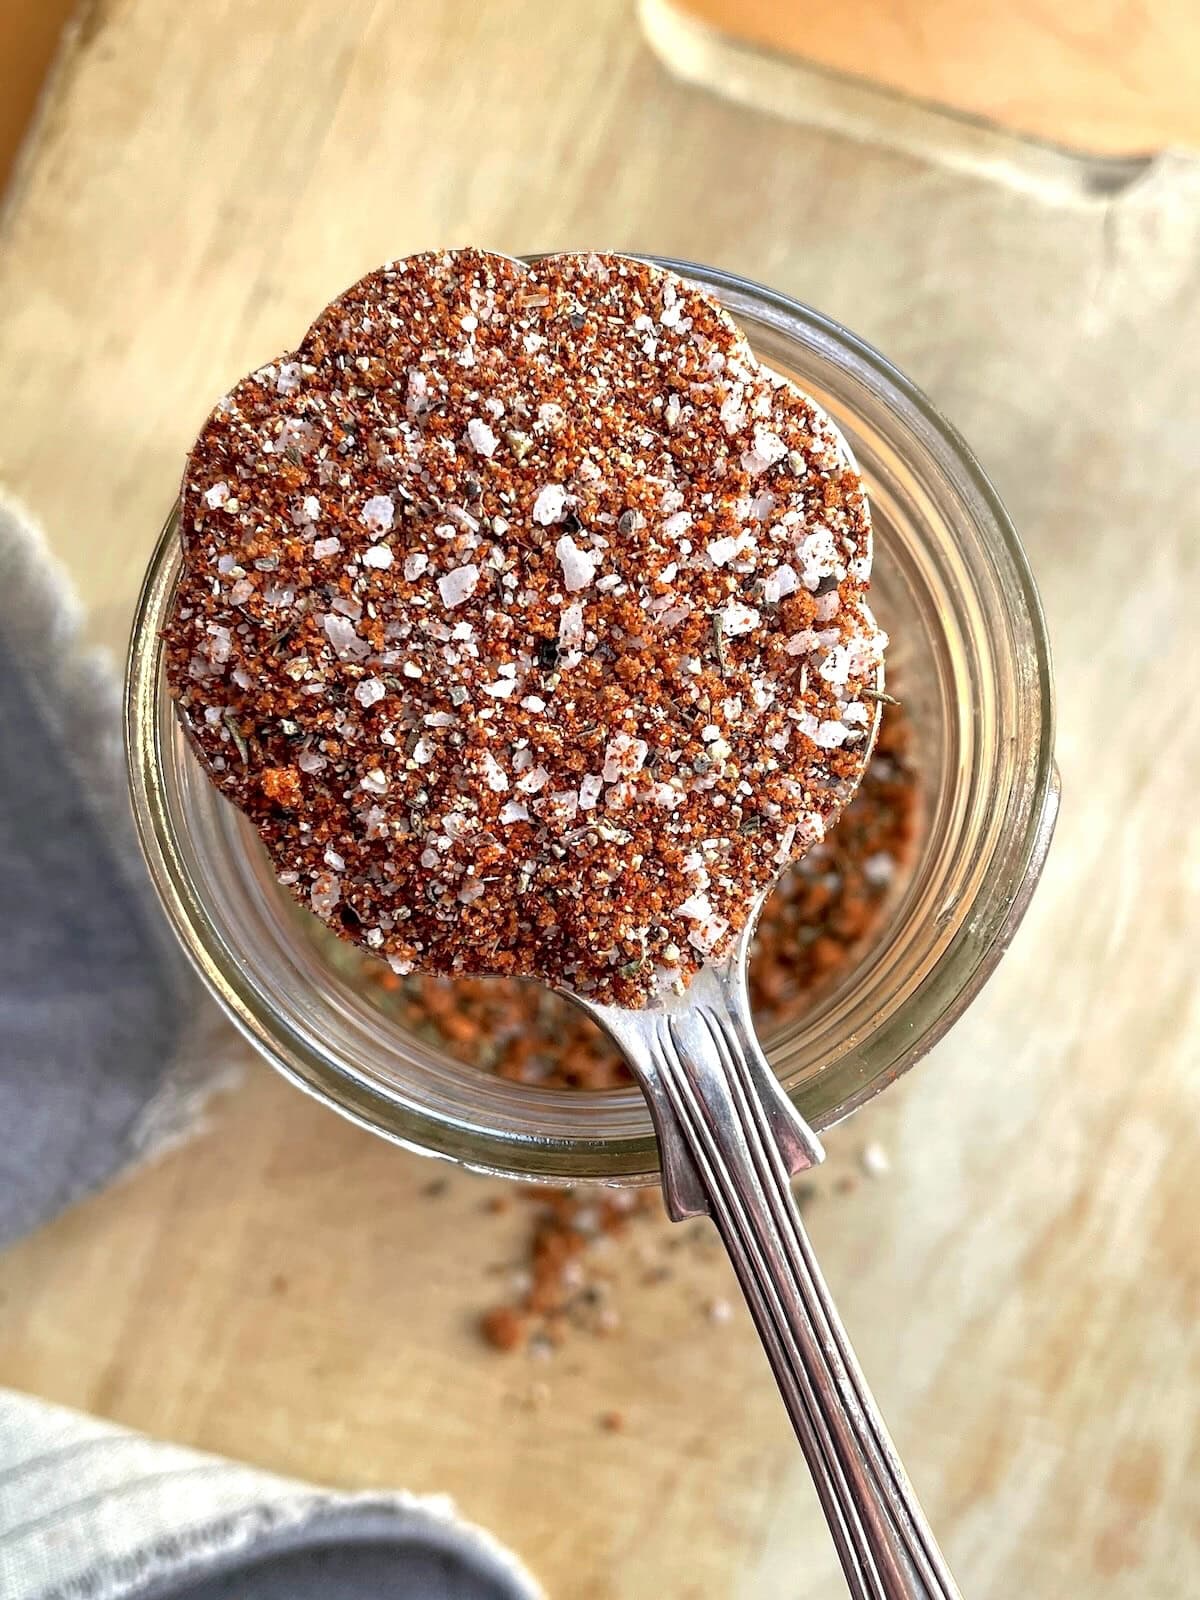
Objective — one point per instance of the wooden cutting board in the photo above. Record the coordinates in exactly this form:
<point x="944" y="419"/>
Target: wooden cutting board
<point x="1023" y="1286"/>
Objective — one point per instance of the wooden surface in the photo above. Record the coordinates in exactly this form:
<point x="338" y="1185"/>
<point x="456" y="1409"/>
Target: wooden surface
<point x="1101" y="76"/>
<point x="1024" y="1285"/>
<point x="30" y="31"/>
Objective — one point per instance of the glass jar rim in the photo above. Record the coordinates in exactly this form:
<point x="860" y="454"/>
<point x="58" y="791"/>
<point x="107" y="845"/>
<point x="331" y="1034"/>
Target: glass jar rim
<point x="962" y="967"/>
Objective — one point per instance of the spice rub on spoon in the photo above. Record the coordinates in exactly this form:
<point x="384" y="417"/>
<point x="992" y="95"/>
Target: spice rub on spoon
<point x="523" y="614"/>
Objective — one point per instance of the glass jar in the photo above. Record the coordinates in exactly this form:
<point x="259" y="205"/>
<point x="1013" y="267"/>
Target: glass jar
<point x="969" y="647"/>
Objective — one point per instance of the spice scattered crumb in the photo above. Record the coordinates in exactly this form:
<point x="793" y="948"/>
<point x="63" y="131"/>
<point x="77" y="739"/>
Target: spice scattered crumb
<point x="504" y="1328"/>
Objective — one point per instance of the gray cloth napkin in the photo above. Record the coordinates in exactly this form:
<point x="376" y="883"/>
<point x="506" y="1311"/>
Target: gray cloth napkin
<point x="91" y="1512"/>
<point x="108" y="1048"/>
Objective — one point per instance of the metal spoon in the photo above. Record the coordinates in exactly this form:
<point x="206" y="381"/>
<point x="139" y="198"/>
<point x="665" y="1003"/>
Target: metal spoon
<point x="729" y="1139"/>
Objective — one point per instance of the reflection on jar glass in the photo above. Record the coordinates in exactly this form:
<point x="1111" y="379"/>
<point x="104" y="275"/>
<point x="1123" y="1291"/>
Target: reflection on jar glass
<point x="970" y="659"/>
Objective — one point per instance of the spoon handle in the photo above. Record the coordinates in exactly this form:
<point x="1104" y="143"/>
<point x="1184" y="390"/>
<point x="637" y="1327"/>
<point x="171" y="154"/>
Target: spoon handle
<point x="730" y="1138"/>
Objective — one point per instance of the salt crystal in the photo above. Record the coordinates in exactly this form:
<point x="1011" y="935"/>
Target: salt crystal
<point x="836" y="666"/>
<point x="803" y="643"/>
<point x="483" y="440"/>
<point x="288" y="380"/>
<point x="570" y="628"/>
<point x="831" y="735"/>
<point x="533" y="702"/>
<point x="216" y="497"/>
<point x="471" y="891"/>
<point x="458" y="584"/>
<point x="709" y="934"/>
<point x="369" y="691"/>
<point x="536" y="778"/>
<point x="578" y="566"/>
<point x="550" y="505"/>
<point x="494" y="774"/>
<point x="375" y="818"/>
<point x="378" y="513"/>
<point x="768" y="449"/>
<point x="589" y="791"/>
<point x="623" y="756"/>
<point x="422" y="752"/>
<point x="721" y="551"/>
<point x="341" y="635"/>
<point x="374" y="782"/>
<point x="415" y="565"/>
<point x="697" y="908"/>
<point x="561" y="807"/>
<point x="378" y="556"/>
<point x="783" y="581"/>
<point x="439" y="719"/>
<point x="326" y="547"/>
<point x="513" y="811"/>
<point x="819" y="557"/>
<point x="311" y="761"/>
<point x="325" y="894"/>
<point x="676" y="525"/>
<point x="332" y="859"/>
<point x="737" y="618"/>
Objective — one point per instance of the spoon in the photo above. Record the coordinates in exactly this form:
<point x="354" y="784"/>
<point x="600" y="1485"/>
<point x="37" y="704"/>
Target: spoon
<point x="729" y="1140"/>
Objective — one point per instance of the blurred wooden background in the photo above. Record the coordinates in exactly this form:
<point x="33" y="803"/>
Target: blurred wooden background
<point x="1100" y="76"/>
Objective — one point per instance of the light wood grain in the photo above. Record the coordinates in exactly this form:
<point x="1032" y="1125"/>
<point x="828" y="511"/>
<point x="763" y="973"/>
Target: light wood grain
<point x="1024" y="1287"/>
<point x="1101" y="76"/>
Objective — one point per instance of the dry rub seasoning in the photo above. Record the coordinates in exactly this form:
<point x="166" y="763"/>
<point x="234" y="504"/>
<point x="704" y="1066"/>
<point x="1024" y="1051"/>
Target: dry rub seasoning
<point x="522" y="613"/>
<point x="824" y="910"/>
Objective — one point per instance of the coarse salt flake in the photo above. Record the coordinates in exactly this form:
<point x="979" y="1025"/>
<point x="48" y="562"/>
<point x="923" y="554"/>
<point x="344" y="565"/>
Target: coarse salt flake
<point x="570" y="628"/>
<point x="378" y="513"/>
<point x="783" y="581"/>
<point x="589" y="791"/>
<point x="483" y="440"/>
<point x="534" y="780"/>
<point x="370" y="691"/>
<point x="623" y="756"/>
<point x="738" y="618"/>
<point x="325" y="894"/>
<point x="378" y="556"/>
<point x="578" y="566"/>
<point x="458" y="584"/>
<point x="550" y="505"/>
<point x="494" y="774"/>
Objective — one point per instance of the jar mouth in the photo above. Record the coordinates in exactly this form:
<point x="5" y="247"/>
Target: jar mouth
<point x="969" y="646"/>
